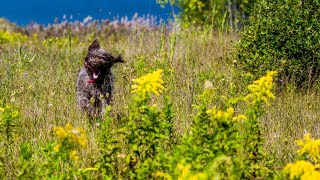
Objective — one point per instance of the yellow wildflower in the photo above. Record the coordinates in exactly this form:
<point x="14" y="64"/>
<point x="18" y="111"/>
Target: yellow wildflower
<point x="57" y="148"/>
<point x="261" y="89"/>
<point x="73" y="135"/>
<point x="81" y="131"/>
<point x="214" y="114"/>
<point x="229" y="113"/>
<point x="299" y="168"/>
<point x="82" y="140"/>
<point x="312" y="175"/>
<point x="69" y="127"/>
<point x="310" y="146"/>
<point x="186" y="174"/>
<point x="240" y="117"/>
<point x="60" y="132"/>
<point x="74" y="155"/>
<point x="162" y="174"/>
<point x="185" y="170"/>
<point x="1" y="109"/>
<point x="149" y="83"/>
<point x="78" y="135"/>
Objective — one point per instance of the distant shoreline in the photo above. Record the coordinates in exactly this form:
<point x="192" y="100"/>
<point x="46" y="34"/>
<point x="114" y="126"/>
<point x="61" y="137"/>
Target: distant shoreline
<point x="23" y="12"/>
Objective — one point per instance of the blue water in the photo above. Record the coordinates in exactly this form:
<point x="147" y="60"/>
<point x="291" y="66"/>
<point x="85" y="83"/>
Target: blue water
<point x="23" y="12"/>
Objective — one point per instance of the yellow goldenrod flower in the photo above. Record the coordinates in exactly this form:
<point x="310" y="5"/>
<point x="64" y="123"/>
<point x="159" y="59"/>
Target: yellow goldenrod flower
<point x="299" y="168"/>
<point x="303" y="169"/>
<point x="164" y="175"/>
<point x="71" y="134"/>
<point x="186" y="174"/>
<point x="218" y="114"/>
<point x="310" y="146"/>
<point x="1" y="109"/>
<point x="185" y="170"/>
<point x="82" y="140"/>
<point x="69" y="127"/>
<point x="78" y="135"/>
<point x="57" y="148"/>
<point x="60" y="132"/>
<point x="149" y="83"/>
<point x="240" y="117"/>
<point x="261" y="89"/>
<point x="73" y="155"/>
<point x="81" y="131"/>
<point x="229" y="113"/>
<point x="312" y="175"/>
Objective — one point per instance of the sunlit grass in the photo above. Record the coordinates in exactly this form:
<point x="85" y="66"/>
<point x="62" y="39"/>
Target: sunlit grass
<point x="38" y="76"/>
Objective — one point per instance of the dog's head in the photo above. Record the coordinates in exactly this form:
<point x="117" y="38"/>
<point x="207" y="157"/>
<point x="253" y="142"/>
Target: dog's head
<point x="99" y="62"/>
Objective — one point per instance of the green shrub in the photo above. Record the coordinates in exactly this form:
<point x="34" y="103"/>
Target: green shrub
<point x="135" y="150"/>
<point x="224" y="144"/>
<point x="9" y="116"/>
<point x="219" y="13"/>
<point x="283" y="36"/>
<point x="61" y="158"/>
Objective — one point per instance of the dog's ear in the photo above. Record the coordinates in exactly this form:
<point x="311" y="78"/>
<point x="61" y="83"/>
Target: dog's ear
<point x="118" y="59"/>
<point x="115" y="60"/>
<point x="94" y="45"/>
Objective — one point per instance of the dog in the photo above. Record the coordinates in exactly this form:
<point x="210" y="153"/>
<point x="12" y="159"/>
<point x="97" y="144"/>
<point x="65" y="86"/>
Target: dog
<point x="95" y="81"/>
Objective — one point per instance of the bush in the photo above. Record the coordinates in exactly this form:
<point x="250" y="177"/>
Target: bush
<point x="283" y="36"/>
<point x="219" y="13"/>
<point x="224" y="144"/>
<point x="136" y="149"/>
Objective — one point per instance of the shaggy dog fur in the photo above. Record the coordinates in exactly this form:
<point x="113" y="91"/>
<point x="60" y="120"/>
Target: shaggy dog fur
<point x="95" y="81"/>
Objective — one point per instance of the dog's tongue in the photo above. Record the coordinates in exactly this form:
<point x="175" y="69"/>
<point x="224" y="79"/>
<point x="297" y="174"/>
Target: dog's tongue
<point x="95" y="75"/>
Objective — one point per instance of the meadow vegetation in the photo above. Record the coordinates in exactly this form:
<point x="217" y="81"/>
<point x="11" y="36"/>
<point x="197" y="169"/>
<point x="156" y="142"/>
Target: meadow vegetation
<point x="183" y="108"/>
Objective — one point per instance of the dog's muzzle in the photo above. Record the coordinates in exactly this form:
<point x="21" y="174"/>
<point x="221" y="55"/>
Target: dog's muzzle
<point x="95" y="73"/>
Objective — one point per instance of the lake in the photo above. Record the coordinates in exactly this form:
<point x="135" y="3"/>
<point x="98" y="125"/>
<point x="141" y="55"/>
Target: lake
<point x="23" y="12"/>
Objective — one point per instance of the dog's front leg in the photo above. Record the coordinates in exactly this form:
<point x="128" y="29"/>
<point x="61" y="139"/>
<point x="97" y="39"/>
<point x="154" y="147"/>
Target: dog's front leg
<point x="87" y="105"/>
<point x="104" y="103"/>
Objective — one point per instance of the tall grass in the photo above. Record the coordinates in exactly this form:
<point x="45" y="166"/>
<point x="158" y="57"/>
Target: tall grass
<point x="38" y="77"/>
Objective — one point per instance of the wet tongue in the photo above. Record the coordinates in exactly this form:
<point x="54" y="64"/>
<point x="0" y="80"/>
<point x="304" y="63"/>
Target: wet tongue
<point x="95" y="75"/>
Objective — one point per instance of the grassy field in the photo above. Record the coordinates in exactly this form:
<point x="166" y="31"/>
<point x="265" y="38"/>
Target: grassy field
<point x="38" y="76"/>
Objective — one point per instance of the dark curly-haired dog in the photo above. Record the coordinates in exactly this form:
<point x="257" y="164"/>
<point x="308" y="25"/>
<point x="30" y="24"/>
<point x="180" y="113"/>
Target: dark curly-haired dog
<point x="95" y="81"/>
